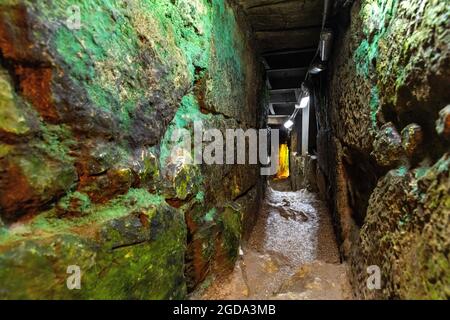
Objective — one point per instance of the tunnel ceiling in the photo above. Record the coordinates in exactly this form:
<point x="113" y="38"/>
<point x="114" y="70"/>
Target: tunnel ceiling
<point x="287" y="34"/>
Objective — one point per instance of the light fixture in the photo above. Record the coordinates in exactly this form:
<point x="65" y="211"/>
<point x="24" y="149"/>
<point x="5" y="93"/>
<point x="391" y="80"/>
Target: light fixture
<point x="326" y="39"/>
<point x="288" y="124"/>
<point x="317" y="67"/>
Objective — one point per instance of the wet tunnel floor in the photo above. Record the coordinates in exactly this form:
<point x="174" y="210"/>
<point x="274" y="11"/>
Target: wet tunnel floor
<point x="291" y="253"/>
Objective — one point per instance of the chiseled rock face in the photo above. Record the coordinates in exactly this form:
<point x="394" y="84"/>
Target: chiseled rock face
<point x="443" y="123"/>
<point x="87" y="172"/>
<point x="389" y="102"/>
<point x="408" y="221"/>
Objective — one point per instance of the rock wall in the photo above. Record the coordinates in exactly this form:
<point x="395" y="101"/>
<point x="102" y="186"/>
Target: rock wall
<point x="87" y="172"/>
<point x="386" y="157"/>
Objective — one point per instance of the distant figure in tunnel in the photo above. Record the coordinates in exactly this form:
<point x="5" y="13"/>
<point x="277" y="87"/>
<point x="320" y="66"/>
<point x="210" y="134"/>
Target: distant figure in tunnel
<point x="283" y="166"/>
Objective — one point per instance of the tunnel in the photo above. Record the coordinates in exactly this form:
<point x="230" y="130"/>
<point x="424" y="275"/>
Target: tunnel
<point x="224" y="149"/>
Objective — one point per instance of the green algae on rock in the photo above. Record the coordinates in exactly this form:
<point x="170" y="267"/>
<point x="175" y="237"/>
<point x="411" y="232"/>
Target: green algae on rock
<point x="12" y="119"/>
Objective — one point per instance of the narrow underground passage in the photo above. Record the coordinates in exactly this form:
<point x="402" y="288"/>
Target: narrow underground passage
<point x="123" y="123"/>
